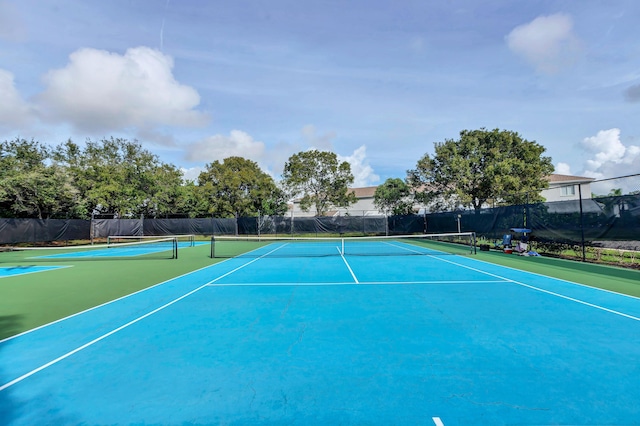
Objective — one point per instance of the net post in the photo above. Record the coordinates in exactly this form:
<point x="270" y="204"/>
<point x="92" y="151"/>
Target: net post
<point x="175" y="247"/>
<point x="212" y="254"/>
<point x="473" y="243"/>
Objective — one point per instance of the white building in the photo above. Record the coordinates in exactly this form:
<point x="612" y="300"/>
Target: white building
<point x="363" y="205"/>
<point x="566" y="187"/>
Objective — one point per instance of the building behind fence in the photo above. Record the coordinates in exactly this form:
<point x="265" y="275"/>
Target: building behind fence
<point x="609" y="216"/>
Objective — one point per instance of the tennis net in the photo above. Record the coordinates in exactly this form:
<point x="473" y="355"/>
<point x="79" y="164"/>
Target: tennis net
<point x="402" y="245"/>
<point x="185" y="240"/>
<point x="163" y="248"/>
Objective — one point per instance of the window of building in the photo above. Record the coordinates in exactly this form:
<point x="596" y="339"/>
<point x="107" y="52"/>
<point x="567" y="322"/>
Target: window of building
<point x="568" y="190"/>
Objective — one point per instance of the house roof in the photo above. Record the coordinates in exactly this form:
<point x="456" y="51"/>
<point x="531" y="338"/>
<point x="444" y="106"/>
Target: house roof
<point x="366" y="192"/>
<point x="556" y="178"/>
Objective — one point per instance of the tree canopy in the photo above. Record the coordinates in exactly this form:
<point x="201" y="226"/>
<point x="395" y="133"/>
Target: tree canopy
<point x="394" y="196"/>
<point x="117" y="176"/>
<point x="29" y="187"/>
<point x="238" y="187"/>
<point x="482" y="165"/>
<point x="319" y="179"/>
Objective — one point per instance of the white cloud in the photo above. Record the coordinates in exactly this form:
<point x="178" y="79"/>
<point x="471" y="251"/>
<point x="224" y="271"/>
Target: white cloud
<point x="362" y="172"/>
<point x="13" y="109"/>
<point x="609" y="156"/>
<point x="100" y="90"/>
<point x="219" y="147"/>
<point x="563" y="169"/>
<point x="547" y="42"/>
<point x="191" y="173"/>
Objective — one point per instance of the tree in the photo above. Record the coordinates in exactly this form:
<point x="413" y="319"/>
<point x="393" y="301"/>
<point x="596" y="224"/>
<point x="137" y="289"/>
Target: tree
<point x="29" y="186"/>
<point x="238" y="187"/>
<point x="482" y="165"/>
<point x="165" y="191"/>
<point x="394" y="196"/>
<point x="116" y="176"/>
<point x="319" y="179"/>
<point x="192" y="200"/>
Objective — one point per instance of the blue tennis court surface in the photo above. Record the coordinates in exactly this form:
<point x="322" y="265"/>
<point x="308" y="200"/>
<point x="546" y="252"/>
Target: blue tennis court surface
<point x="442" y="340"/>
<point x="10" y="271"/>
<point x="114" y="251"/>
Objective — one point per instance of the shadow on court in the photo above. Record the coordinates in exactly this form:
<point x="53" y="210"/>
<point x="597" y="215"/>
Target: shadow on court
<point x="9" y="325"/>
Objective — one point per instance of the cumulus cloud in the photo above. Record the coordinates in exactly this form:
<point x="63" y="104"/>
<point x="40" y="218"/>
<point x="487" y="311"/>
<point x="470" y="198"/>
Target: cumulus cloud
<point x="609" y="156"/>
<point x="548" y="42"/>
<point x="632" y="94"/>
<point x="13" y="109"/>
<point x="363" y="173"/>
<point x="191" y="173"/>
<point x="219" y="147"/>
<point x="100" y="90"/>
<point x="563" y="169"/>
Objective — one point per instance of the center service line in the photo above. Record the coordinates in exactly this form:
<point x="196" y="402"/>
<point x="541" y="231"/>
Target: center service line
<point x="348" y="266"/>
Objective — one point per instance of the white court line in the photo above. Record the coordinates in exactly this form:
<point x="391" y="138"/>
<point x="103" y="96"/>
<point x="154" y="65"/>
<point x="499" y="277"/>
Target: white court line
<point x="538" y="288"/>
<point x="119" y="298"/>
<point x="425" y="251"/>
<point x="349" y="267"/>
<point x="122" y="327"/>
<point x="362" y="283"/>
<point x="437" y="421"/>
<point x="582" y="302"/>
<point x="96" y="340"/>
<point x="110" y="301"/>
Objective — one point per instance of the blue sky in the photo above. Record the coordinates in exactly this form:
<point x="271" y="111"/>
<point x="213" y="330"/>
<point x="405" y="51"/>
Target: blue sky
<point x="377" y="82"/>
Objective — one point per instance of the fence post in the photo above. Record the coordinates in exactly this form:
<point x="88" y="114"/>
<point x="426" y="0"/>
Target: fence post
<point x="584" y="254"/>
<point x="525" y="222"/>
<point x="386" y="223"/>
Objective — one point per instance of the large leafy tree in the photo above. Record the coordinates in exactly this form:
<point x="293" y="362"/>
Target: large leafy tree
<point x="394" y="196"/>
<point x="165" y="191"/>
<point x="117" y="176"/>
<point x="193" y="202"/>
<point x="32" y="187"/>
<point x="238" y="187"/>
<point x="482" y="165"/>
<point x="319" y="179"/>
